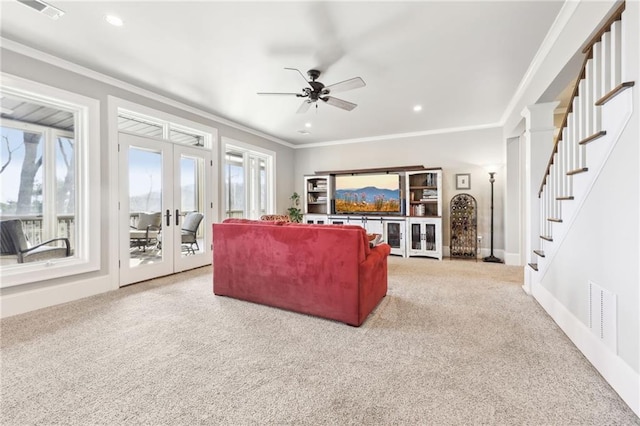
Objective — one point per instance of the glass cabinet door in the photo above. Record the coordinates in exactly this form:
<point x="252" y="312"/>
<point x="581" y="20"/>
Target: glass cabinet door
<point x="430" y="236"/>
<point x="394" y="235"/>
<point x="416" y="236"/>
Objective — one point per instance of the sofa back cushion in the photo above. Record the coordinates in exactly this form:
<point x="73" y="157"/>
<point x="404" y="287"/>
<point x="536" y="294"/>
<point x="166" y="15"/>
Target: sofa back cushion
<point x="253" y="222"/>
<point x="365" y="240"/>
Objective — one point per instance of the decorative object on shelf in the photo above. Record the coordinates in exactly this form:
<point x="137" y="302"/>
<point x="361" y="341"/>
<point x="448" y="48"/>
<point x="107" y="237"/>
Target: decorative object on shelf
<point x="463" y="181"/>
<point x="464" y="218"/>
<point x="491" y="258"/>
<point x="295" y="214"/>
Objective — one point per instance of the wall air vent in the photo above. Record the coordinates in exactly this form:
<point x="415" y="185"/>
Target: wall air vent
<point x="44" y="8"/>
<point x="603" y="315"/>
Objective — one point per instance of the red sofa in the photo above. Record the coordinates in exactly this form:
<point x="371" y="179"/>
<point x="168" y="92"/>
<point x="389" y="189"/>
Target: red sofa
<point x="323" y="270"/>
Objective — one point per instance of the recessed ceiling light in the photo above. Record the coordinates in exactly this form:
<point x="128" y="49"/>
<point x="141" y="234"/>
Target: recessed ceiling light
<point x="303" y="132"/>
<point x="417" y="108"/>
<point x="307" y="125"/>
<point x="114" y="20"/>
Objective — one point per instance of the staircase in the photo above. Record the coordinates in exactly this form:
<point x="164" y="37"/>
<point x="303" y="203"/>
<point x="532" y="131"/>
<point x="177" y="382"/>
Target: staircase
<point x="598" y="112"/>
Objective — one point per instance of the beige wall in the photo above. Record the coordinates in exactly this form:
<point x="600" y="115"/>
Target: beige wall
<point x="459" y="152"/>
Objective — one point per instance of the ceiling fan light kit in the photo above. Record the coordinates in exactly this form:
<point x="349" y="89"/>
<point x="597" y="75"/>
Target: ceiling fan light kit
<point x="317" y="91"/>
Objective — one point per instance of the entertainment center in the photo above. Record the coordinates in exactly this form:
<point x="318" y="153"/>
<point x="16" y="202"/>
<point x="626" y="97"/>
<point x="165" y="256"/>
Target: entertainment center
<point x="403" y="204"/>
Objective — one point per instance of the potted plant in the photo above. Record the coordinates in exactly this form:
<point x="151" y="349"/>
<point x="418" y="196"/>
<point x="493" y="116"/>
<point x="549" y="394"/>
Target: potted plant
<point x="295" y="214"/>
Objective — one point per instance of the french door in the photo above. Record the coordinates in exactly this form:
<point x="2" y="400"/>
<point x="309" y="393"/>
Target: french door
<point x="165" y="208"/>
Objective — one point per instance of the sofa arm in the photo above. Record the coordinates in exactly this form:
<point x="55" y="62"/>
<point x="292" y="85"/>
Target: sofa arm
<point x="372" y="280"/>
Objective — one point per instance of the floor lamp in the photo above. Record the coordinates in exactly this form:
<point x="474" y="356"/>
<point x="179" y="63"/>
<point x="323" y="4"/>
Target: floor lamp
<point x="491" y="258"/>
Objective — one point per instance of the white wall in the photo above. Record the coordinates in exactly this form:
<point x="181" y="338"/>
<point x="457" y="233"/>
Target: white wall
<point x="459" y="152"/>
<point x="513" y="204"/>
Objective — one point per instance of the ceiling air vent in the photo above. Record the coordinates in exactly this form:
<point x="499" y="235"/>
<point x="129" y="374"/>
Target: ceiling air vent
<point x="44" y="8"/>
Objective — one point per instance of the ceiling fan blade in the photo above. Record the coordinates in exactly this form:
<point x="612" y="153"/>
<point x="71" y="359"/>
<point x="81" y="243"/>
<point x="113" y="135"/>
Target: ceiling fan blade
<point x="352" y="83"/>
<point x="304" y="107"/>
<point x="299" y="72"/>
<point x="339" y="103"/>
<point x="278" y="93"/>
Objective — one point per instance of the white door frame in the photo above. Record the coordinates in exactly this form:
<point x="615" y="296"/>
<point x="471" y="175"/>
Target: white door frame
<point x="172" y="258"/>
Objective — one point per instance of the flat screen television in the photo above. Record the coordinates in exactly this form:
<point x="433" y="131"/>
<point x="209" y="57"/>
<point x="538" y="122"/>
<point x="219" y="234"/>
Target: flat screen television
<point x="368" y="194"/>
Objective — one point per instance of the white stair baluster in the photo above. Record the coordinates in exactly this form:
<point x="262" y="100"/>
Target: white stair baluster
<point x="582" y="152"/>
<point x="596" y="83"/>
<point x="616" y="53"/>
<point x="605" y="64"/>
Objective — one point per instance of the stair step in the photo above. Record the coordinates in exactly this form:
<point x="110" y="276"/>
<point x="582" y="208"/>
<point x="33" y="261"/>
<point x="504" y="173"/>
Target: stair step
<point x="615" y="91"/>
<point x="565" y="198"/>
<point x="546" y="237"/>
<point x="592" y="137"/>
<point x="539" y="253"/>
<point x="576" y="171"/>
<point x="534" y="266"/>
<point x="554" y="219"/>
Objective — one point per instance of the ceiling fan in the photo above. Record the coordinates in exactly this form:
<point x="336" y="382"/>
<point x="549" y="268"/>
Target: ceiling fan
<point x="318" y="91"/>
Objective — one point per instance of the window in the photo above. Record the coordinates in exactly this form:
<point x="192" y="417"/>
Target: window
<point x="135" y="122"/>
<point x="49" y="178"/>
<point x="248" y="181"/>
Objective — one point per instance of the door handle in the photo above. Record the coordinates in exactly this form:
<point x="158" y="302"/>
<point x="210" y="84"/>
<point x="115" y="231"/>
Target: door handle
<point x="168" y="216"/>
<point x="177" y="217"/>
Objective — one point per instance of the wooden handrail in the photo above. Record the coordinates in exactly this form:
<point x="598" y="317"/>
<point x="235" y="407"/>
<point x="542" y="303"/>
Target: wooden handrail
<point x="605" y="27"/>
<point x="588" y="51"/>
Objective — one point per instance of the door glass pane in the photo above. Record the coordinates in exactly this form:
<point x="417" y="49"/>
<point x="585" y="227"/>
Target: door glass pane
<point x="145" y="205"/>
<point x="415" y="236"/>
<point x="188" y="184"/>
<point x="235" y="185"/>
<point x="191" y="177"/>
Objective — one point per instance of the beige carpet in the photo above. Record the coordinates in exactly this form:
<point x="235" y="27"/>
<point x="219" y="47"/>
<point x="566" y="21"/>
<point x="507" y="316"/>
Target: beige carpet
<point x="454" y="342"/>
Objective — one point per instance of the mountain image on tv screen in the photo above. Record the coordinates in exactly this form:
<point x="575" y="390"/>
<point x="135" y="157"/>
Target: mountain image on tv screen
<point x="368" y="194"/>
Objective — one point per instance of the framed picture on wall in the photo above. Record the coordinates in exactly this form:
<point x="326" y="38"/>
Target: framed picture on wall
<point x="463" y="181"/>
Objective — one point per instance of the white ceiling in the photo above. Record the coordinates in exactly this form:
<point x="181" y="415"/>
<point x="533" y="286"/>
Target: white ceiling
<point x="462" y="61"/>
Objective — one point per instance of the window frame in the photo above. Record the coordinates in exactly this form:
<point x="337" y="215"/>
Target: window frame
<point x="250" y="199"/>
<point x="87" y="165"/>
<point x="167" y="124"/>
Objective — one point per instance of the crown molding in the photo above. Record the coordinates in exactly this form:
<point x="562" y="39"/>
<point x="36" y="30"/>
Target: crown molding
<point x="397" y="136"/>
<point x="87" y="72"/>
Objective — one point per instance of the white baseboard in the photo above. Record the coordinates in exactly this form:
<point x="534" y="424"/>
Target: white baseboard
<point x="30" y="300"/>
<point x="622" y="378"/>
